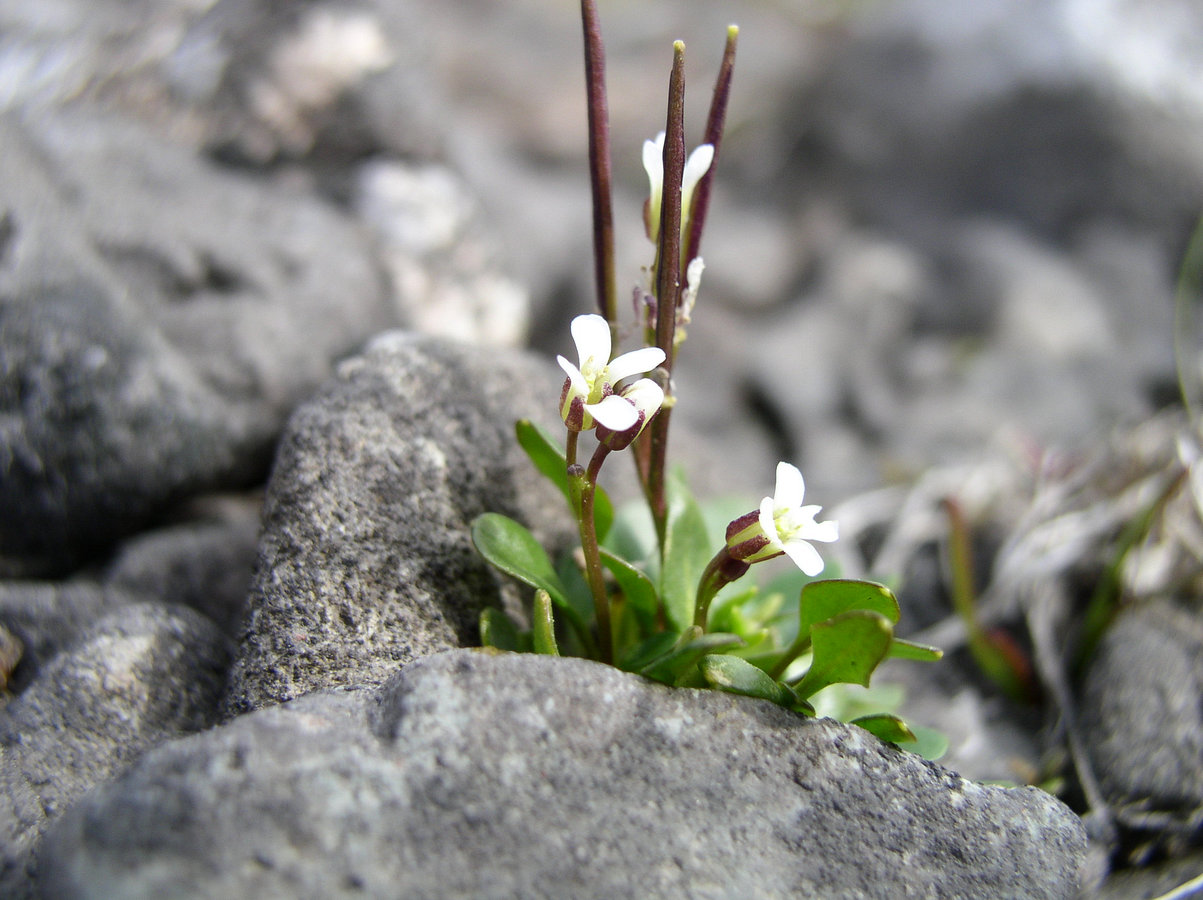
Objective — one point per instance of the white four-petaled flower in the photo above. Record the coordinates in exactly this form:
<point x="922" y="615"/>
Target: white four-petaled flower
<point x="647" y="397"/>
<point x="782" y="525"/>
<point x="590" y="390"/>
<point x="696" y="166"/>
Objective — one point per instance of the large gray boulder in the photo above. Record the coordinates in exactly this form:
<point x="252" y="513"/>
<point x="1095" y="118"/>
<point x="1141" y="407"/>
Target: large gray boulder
<point x="161" y="318"/>
<point x="366" y="561"/>
<point x="473" y="774"/>
<point x="141" y="675"/>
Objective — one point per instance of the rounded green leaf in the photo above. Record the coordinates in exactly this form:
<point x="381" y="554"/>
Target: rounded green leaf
<point x="928" y="743"/>
<point x="822" y="600"/>
<point x="846" y="649"/>
<point x="636" y="587"/>
<point x="737" y="676"/>
<point x="686" y="551"/>
<point x="885" y="726"/>
<point x="513" y="549"/>
<point x="901" y="649"/>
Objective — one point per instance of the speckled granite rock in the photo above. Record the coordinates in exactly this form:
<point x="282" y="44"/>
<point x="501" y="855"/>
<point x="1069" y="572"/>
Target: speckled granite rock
<point x="149" y="354"/>
<point x="478" y="775"/>
<point x="366" y="562"/>
<point x="141" y="675"/>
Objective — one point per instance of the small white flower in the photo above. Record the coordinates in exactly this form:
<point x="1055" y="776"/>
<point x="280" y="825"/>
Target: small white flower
<point x="696" y="166"/>
<point x="589" y="391"/>
<point x="646" y="397"/>
<point x="782" y="525"/>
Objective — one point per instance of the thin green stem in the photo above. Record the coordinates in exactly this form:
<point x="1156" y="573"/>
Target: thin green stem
<point x="719" y="572"/>
<point x="589" y="546"/>
<point x="600" y="167"/>
<point x="800" y="645"/>
<point x="570" y="448"/>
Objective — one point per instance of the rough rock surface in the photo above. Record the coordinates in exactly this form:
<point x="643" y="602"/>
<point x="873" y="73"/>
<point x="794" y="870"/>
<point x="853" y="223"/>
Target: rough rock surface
<point x="205" y="562"/>
<point x="141" y="675"/>
<point x="366" y="561"/>
<point x="1142" y="721"/>
<point x="149" y="355"/>
<point x="479" y="775"/>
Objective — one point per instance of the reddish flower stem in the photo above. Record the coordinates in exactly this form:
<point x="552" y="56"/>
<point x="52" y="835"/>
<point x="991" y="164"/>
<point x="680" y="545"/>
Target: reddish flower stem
<point x="715" y="122"/>
<point x="600" y="167"/>
<point x="668" y="278"/>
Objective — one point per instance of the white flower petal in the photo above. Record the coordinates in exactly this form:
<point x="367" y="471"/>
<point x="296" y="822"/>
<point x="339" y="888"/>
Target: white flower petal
<point x="653" y="163"/>
<point x="592" y="336"/>
<point x="768" y="522"/>
<point x="574" y="375"/>
<point x="614" y="412"/>
<point x="805" y="556"/>
<point x="827" y="532"/>
<point x="634" y="363"/>
<point x="646" y="395"/>
<point x="695" y="167"/>
<point x="790" y="487"/>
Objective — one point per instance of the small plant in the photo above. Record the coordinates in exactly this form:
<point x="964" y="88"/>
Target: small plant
<point x="645" y="592"/>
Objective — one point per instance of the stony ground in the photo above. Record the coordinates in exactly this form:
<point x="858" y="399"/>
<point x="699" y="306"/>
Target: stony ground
<point x="295" y="254"/>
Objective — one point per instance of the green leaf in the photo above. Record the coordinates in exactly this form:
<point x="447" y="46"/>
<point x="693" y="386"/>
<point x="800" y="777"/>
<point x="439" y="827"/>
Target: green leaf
<point x="498" y="630"/>
<point x="686" y="552"/>
<point x="928" y="743"/>
<point x="576" y="588"/>
<point x="902" y="649"/>
<point x="549" y="459"/>
<point x="689" y="648"/>
<point x="735" y="676"/>
<point x="543" y="625"/>
<point x="513" y="549"/>
<point x="636" y="587"/>
<point x="846" y="649"/>
<point x="734" y="613"/>
<point x="823" y="600"/>
<point x="633" y="536"/>
<point x="650" y="650"/>
<point x="886" y="726"/>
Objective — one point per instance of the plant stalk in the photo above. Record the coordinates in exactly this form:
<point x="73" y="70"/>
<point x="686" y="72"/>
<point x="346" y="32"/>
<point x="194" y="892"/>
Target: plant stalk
<point x="715" y="122"/>
<point x="668" y="281"/>
<point x="589" y="547"/>
<point x="600" y="167"/>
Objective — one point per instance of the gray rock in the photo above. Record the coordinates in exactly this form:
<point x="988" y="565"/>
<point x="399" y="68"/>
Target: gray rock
<point x="1142" y="722"/>
<point x="438" y="255"/>
<point x="205" y="563"/>
<point x="479" y="775"/>
<point x="141" y="675"/>
<point x="161" y="318"/>
<point x="335" y="82"/>
<point x="48" y="617"/>
<point x="366" y="561"/>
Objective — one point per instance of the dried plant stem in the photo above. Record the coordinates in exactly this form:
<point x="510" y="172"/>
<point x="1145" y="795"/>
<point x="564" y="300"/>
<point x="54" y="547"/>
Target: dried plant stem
<point x="600" y="167"/>
<point x="668" y="279"/>
<point x="715" y="122"/>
